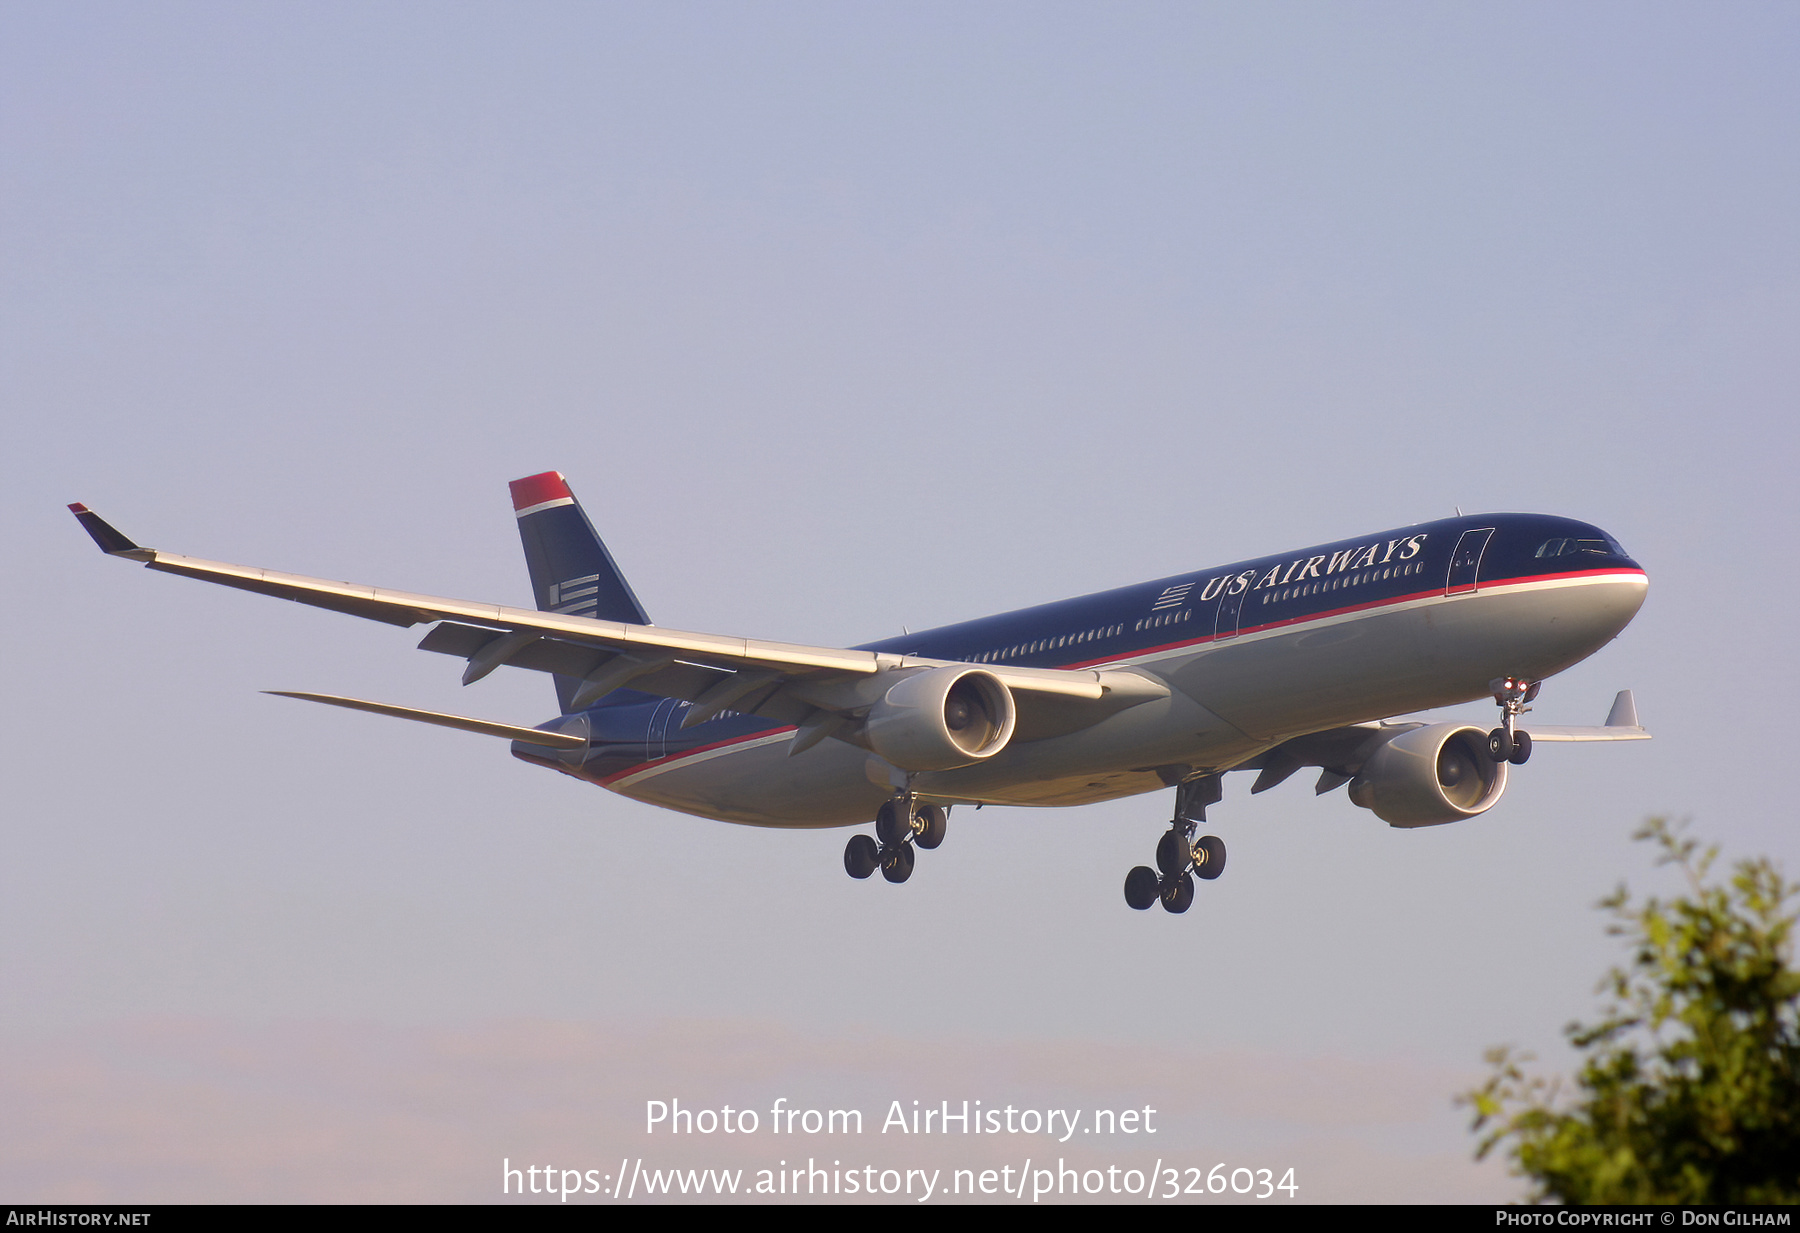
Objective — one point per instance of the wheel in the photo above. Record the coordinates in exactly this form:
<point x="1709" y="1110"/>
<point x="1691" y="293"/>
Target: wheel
<point x="1500" y="745"/>
<point x="933" y="823"/>
<point x="897" y="862"/>
<point x="1172" y="852"/>
<point x="1209" y="857"/>
<point x="891" y="826"/>
<point x="1178" y="893"/>
<point x="1521" y="752"/>
<point x="1141" y="887"/>
<point x="861" y="856"/>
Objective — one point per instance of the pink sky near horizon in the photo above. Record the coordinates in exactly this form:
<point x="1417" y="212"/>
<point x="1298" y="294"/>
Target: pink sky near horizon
<point x="210" y="1111"/>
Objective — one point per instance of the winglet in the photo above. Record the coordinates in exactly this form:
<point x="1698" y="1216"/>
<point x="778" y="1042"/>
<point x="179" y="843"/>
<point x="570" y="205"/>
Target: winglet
<point x="1624" y="711"/>
<point x="111" y="540"/>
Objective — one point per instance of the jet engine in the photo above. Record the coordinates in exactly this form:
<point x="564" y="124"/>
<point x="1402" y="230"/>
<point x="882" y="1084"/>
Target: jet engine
<point x="1429" y="775"/>
<point x="942" y="718"/>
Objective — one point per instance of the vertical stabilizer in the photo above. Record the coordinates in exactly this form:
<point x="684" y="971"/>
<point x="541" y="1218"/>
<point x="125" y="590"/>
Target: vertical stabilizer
<point x="571" y="570"/>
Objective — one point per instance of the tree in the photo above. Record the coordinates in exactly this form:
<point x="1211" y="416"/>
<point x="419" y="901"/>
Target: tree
<point x="1690" y="1088"/>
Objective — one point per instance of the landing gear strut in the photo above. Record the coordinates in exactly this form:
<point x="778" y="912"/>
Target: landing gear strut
<point x="1180" y="857"/>
<point x="902" y="825"/>
<point x="1508" y="743"/>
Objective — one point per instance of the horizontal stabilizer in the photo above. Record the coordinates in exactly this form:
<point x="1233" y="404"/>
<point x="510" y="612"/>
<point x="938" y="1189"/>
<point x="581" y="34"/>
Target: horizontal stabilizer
<point x="531" y="736"/>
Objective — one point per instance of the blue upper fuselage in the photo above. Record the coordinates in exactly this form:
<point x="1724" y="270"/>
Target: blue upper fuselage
<point x="1368" y="572"/>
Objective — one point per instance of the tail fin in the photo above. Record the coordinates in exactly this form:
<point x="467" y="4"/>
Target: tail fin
<point x="571" y="570"/>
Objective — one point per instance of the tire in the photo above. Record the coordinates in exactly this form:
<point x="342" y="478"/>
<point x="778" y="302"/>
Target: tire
<point x="897" y="862"/>
<point x="1140" y="888"/>
<point x="1172" y="853"/>
<point x="1212" y="849"/>
<point x="1500" y="745"/>
<point x="1178" y="893"/>
<point x="861" y="857"/>
<point x="1521" y="752"/>
<point x="890" y="825"/>
<point x="935" y="822"/>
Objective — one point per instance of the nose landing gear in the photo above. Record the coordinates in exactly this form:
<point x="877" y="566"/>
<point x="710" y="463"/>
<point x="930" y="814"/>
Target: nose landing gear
<point x="902" y="825"/>
<point x="1508" y="743"/>
<point x="1180" y="856"/>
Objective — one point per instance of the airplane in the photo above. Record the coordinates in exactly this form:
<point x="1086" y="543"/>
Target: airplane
<point x="1267" y="665"/>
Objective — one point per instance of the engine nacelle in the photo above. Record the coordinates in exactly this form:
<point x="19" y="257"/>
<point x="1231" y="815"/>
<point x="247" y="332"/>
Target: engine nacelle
<point x="942" y="718"/>
<point x="1430" y="775"/>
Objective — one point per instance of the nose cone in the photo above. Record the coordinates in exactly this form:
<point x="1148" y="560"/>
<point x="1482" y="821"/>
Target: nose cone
<point x="1559" y="591"/>
<point x="1595" y="586"/>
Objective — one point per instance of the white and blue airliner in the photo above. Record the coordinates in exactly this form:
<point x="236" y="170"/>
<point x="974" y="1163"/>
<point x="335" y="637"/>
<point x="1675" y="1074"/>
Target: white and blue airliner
<point x="1269" y="665"/>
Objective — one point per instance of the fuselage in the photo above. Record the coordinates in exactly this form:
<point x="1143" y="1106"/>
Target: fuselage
<point x="1254" y="653"/>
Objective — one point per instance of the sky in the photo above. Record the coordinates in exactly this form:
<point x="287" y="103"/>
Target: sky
<point x="840" y="319"/>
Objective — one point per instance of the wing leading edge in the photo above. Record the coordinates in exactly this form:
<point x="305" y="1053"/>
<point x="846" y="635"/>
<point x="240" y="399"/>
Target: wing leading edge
<point x="790" y="683"/>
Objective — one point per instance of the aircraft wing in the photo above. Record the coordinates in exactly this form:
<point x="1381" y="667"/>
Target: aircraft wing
<point x="782" y="681"/>
<point x="1621" y="725"/>
<point x="1339" y="753"/>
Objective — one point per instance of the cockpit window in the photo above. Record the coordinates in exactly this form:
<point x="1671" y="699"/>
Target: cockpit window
<point x="1570" y="547"/>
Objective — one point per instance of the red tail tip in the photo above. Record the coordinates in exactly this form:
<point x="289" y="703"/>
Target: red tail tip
<point x="537" y="489"/>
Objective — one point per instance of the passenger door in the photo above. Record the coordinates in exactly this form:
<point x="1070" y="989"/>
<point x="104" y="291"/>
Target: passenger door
<point x="1231" y="606"/>
<point x="1465" y="562"/>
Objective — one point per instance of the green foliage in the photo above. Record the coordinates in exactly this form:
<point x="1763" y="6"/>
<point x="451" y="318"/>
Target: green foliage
<point x="1690" y="1089"/>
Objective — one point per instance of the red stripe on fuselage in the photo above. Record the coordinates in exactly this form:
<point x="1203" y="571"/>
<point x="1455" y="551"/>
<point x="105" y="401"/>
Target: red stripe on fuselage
<point x="609" y="780"/>
<point x="1435" y="592"/>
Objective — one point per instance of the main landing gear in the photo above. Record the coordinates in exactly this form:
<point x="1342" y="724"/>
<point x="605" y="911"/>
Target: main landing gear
<point x="1508" y="743"/>
<point x="902" y="825"/>
<point x="1179" y="856"/>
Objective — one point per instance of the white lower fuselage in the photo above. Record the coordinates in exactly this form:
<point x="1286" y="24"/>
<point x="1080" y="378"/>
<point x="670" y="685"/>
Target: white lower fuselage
<point x="1230" y="699"/>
